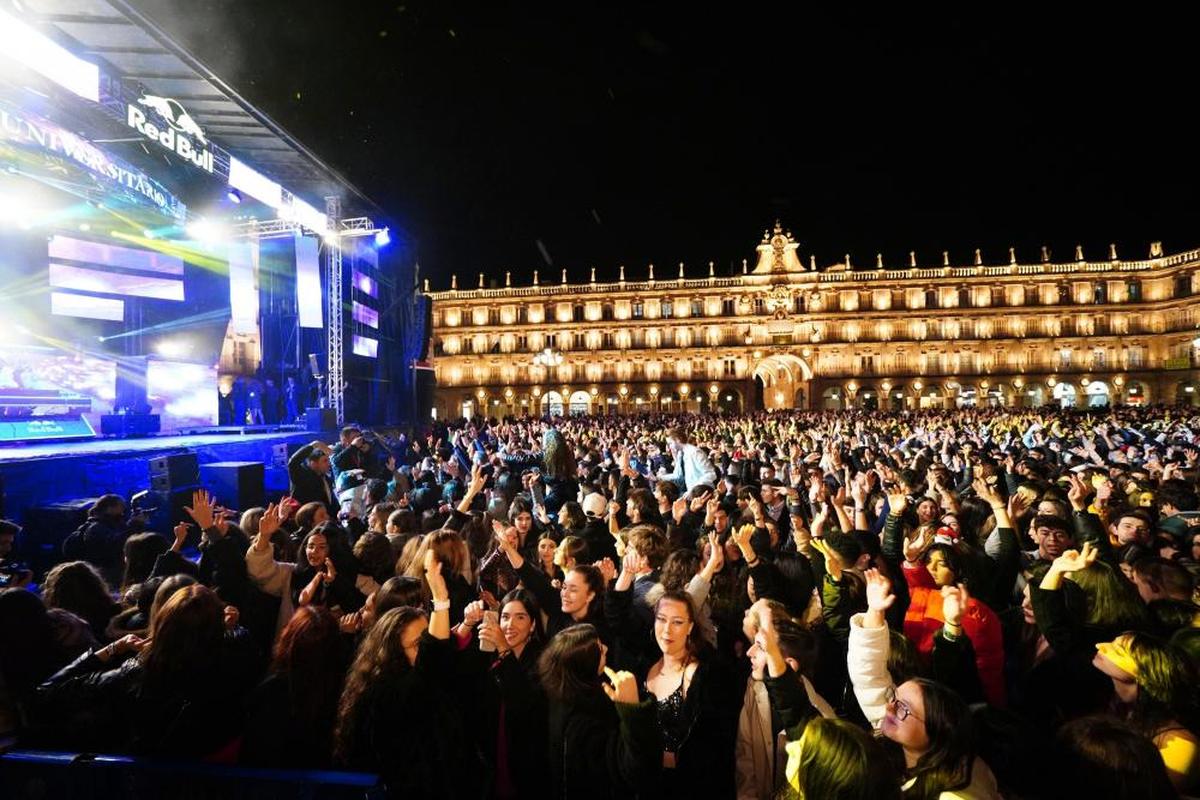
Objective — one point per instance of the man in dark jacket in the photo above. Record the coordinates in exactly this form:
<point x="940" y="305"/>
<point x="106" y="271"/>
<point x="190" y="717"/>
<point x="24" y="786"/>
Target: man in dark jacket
<point x="308" y="474"/>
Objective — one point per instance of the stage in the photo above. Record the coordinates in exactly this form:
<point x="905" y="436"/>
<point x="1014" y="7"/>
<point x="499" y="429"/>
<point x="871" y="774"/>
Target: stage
<point x="40" y="474"/>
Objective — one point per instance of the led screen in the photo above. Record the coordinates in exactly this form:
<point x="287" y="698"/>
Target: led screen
<point x="43" y="382"/>
<point x="182" y="393"/>
<point x="366" y="315"/>
<point x="309" y="299"/>
<point x="64" y="248"/>
<point x="365" y="346"/>
<point x="64" y="304"/>
<point x="63" y="276"/>
<point x="366" y="284"/>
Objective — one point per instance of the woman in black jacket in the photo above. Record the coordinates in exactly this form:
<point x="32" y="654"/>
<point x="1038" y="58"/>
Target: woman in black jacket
<point x="599" y="747"/>
<point x="512" y="727"/>
<point x="580" y="600"/>
<point x="400" y="713"/>
<point x="696" y="706"/>
<point x="180" y="694"/>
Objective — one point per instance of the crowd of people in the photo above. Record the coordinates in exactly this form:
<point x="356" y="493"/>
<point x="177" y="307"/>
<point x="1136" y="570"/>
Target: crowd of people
<point x="979" y="603"/>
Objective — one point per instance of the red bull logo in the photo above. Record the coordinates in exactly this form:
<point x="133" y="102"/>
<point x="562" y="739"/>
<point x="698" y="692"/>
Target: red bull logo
<point x="181" y="135"/>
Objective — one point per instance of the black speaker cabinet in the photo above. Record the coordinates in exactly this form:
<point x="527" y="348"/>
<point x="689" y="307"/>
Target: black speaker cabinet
<point x="236" y="484"/>
<point x="320" y="419"/>
<point x="172" y="471"/>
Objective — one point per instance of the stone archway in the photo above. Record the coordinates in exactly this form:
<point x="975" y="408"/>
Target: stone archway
<point x="784" y="377"/>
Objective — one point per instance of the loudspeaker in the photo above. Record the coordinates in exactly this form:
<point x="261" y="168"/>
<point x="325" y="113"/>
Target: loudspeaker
<point x="236" y="484"/>
<point x="320" y="419"/>
<point x="47" y="527"/>
<point x="282" y="453"/>
<point x="168" y="511"/>
<point x="126" y="425"/>
<point x="170" y="471"/>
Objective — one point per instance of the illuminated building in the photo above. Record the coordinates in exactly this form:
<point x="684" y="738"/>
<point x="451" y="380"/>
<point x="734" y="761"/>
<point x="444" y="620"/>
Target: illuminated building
<point x="787" y="335"/>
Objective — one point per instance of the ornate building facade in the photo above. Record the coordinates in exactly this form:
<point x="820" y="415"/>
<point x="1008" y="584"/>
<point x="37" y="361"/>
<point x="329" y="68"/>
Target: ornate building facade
<point x="787" y="335"/>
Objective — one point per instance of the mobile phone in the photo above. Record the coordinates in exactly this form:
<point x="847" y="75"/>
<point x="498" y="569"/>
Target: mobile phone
<point x="490" y="618"/>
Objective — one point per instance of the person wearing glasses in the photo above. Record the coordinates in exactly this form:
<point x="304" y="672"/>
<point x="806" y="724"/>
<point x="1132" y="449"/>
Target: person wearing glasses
<point x="926" y="721"/>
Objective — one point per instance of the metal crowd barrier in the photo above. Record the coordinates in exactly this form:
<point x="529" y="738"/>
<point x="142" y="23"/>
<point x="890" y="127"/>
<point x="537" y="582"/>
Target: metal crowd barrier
<point x="39" y="775"/>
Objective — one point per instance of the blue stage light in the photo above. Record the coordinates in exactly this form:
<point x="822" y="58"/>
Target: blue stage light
<point x="234" y="196"/>
<point x="383" y="238"/>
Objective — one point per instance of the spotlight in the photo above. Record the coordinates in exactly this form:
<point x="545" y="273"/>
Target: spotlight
<point x="331" y="238"/>
<point x="234" y="196"/>
<point x="171" y="348"/>
<point x="383" y="238"/>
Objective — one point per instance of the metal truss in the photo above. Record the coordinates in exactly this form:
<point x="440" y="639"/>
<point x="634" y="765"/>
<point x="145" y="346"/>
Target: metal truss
<point x="335" y="352"/>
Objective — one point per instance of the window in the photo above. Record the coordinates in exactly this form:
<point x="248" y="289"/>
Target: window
<point x="964" y="297"/>
<point x="728" y="308"/>
<point x="577" y="341"/>
<point x="1134" y="290"/>
<point x="1137" y="357"/>
<point x="606" y="312"/>
<point x="931" y="298"/>
<point x="608" y="341"/>
<point x="552" y="340"/>
<point x="1064" y="294"/>
<point x="668" y="309"/>
<point x="798" y="306"/>
<point x="638" y="309"/>
<point x="758" y="305"/>
<point x="1064" y="357"/>
<point x="1099" y="357"/>
<point x="522" y="315"/>
<point x="1100" y="293"/>
<point x="697" y="308"/>
<point x="523" y="342"/>
<point x="577" y="313"/>
<point x="730" y="368"/>
<point x="1183" y="285"/>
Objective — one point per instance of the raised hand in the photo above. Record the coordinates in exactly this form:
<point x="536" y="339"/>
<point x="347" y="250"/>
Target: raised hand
<point x="271" y="520"/>
<point x="716" y="556"/>
<point x="954" y="603"/>
<point x="330" y="574"/>
<point x="201" y="509"/>
<point x="987" y="493"/>
<point x="879" y="592"/>
<point x="741" y="536"/>
<point x="897" y="500"/>
<point x="473" y="613"/>
<point x="678" y="509"/>
<point x="607" y="568"/>
<point x="1017" y="505"/>
<point x="833" y="564"/>
<point x="915" y="547"/>
<point x="1078" y="493"/>
<point x="622" y="687"/>
<point x="181" y="532"/>
<point x="1077" y="560"/>
<point x="698" y="503"/>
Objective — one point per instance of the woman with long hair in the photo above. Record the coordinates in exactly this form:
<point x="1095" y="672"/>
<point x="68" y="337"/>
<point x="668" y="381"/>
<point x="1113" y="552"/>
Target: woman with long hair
<point x="927" y="723"/>
<point x="604" y="743"/>
<point x="291" y="714"/>
<point x="512" y="728"/>
<point x="580" y="599"/>
<point x="695" y="704"/>
<point x="1154" y="689"/>
<point x="560" y="476"/>
<point x="399" y="714"/>
<point x="78" y="587"/>
<point x="178" y="692"/>
<point x="447" y="548"/>
<point x="141" y="550"/>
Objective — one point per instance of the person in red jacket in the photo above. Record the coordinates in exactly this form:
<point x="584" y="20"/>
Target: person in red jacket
<point x="927" y="568"/>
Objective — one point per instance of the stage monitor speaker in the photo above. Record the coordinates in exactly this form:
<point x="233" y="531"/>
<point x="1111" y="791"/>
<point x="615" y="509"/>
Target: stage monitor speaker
<point x="170" y="471"/>
<point x="47" y="527"/>
<point x="124" y="426"/>
<point x="282" y="453"/>
<point x="320" y="419"/>
<point x="235" y="484"/>
<point x="168" y="511"/>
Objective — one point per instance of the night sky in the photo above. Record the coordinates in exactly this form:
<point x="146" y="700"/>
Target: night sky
<point x="522" y="136"/>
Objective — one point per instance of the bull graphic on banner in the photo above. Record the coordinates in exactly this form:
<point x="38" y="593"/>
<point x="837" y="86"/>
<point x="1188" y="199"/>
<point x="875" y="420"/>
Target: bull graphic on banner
<point x="182" y="134"/>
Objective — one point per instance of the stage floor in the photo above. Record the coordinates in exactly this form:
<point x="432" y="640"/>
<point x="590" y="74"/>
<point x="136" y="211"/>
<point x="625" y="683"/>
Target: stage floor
<point x="131" y="446"/>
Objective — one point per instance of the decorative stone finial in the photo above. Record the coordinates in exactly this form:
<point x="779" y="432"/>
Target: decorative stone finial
<point x="710" y="269"/>
<point x="743" y="266"/>
<point x="652" y="271"/>
<point x="564" y="277"/>
<point x="593" y="274"/>
<point x="847" y="261"/>
<point x="912" y="259"/>
<point x="427" y="286"/>
<point x="680" y="270"/>
<point x="507" y="279"/>
<point x="879" y="261"/>
<point x="1079" y="252"/>
<point x="535" y="277"/>
<point x="453" y="281"/>
<point x="1012" y="255"/>
<point x="978" y="257"/>
<point x="812" y="262"/>
<point x="622" y="273"/>
<point x="1156" y="250"/>
<point x="1112" y="252"/>
<point x="1045" y="254"/>
<point x="481" y="280"/>
<point x="945" y="258"/>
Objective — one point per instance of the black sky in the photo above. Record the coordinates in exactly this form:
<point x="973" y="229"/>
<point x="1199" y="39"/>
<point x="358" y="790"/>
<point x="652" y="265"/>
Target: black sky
<point x="628" y="133"/>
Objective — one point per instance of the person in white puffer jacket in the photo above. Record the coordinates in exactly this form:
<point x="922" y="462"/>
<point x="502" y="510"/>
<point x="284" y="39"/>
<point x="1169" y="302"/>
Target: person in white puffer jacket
<point x="928" y="721"/>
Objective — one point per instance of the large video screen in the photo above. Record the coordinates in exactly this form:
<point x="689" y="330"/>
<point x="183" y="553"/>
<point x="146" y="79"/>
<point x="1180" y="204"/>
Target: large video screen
<point x="182" y="393"/>
<point x="50" y="384"/>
